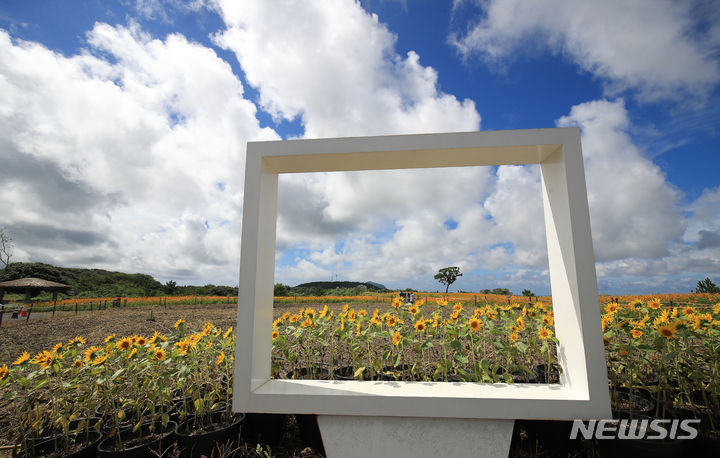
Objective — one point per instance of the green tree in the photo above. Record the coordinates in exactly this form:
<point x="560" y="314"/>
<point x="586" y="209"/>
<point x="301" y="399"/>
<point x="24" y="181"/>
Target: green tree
<point x="170" y="287"/>
<point x="281" y="290"/>
<point x="447" y="276"/>
<point x="528" y="293"/>
<point x="707" y="286"/>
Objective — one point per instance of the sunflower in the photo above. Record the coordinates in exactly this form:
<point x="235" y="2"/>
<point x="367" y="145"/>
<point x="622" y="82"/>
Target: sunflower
<point x="21" y="359"/>
<point x="654" y="303"/>
<point x="132" y="353"/>
<point x="324" y="311"/>
<point x="457" y="307"/>
<point x="220" y="359"/>
<point x="391" y="321"/>
<point x="636" y="333"/>
<point x="160" y="354"/>
<point x="548" y="319"/>
<point x="397" y="302"/>
<point x="91" y="353"/>
<point x="412" y="309"/>
<point x="140" y="340"/>
<point x="110" y="337"/>
<point x="294" y="318"/>
<point x="310" y="312"/>
<point x="179" y="323"/>
<point x="544" y="333"/>
<point x="420" y="325"/>
<point x="183" y="346"/>
<point x="667" y="331"/>
<point x="455" y="315"/>
<point x="352" y="316"/>
<point x="229" y="331"/>
<point x="275" y="335"/>
<point x="475" y="324"/>
<point x="286" y="315"/>
<point x="76" y="340"/>
<point x="358" y="328"/>
<point x="57" y="347"/>
<point x="124" y="343"/>
<point x="397" y="338"/>
<point x="44" y="359"/>
<point x="100" y="360"/>
<point x="513" y="337"/>
<point x="611" y="308"/>
<point x="307" y="323"/>
<point x="4" y="371"/>
<point x="688" y="310"/>
<point x="78" y="363"/>
<point x="520" y="322"/>
<point x="342" y="323"/>
<point x="441" y="302"/>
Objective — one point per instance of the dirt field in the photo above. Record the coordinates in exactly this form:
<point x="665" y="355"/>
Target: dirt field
<point x="42" y="332"/>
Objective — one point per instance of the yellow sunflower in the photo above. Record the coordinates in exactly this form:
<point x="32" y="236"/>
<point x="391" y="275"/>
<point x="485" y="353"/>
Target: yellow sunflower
<point x="220" y="359"/>
<point x="667" y="331"/>
<point x="420" y="325"/>
<point x="91" y="353"/>
<point x="179" y="323"/>
<point x="544" y="333"/>
<point x="636" y="333"/>
<point x="513" y="337"/>
<point x="275" y="335"/>
<point x="44" y="359"/>
<point x="397" y="338"/>
<point x="160" y="354"/>
<point x="4" y="371"/>
<point x="100" y="360"/>
<point x="475" y="324"/>
<point x="21" y="359"/>
<point x="124" y="343"/>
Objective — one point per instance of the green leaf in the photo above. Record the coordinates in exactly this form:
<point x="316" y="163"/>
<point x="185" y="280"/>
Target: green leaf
<point x="358" y="373"/>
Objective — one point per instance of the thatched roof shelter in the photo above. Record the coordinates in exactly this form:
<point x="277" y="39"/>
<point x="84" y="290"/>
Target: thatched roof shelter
<point x="32" y="287"/>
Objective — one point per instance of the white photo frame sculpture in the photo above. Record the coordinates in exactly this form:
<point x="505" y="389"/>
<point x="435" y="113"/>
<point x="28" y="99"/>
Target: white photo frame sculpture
<point x="583" y="389"/>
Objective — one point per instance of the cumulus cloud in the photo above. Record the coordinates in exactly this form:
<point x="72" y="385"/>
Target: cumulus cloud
<point x="661" y="49"/>
<point x="335" y="66"/>
<point x="131" y="153"/>
<point x="634" y="211"/>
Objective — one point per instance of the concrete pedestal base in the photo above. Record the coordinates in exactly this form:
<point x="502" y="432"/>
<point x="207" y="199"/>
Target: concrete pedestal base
<point x="357" y="436"/>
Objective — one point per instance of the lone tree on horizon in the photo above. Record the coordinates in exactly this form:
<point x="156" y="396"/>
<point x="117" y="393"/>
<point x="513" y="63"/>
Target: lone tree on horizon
<point x="447" y="276"/>
<point x="707" y="286"/>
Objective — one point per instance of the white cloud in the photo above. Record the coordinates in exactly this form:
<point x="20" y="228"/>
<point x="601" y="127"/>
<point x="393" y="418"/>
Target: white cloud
<point x="335" y="66"/>
<point x="655" y="47"/>
<point x="139" y="144"/>
<point x="634" y="211"/>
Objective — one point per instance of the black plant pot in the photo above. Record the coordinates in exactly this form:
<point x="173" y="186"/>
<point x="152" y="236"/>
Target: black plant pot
<point x="344" y="373"/>
<point x="157" y="441"/>
<point x="79" y="425"/>
<point x="312" y="373"/>
<point x="264" y="428"/>
<point x="195" y="444"/>
<point x="310" y="432"/>
<point x="401" y="372"/>
<point x="631" y="404"/>
<point x="545" y="375"/>
<point x="89" y="439"/>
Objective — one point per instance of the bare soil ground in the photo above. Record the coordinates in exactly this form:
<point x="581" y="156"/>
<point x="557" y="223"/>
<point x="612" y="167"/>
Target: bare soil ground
<point x="43" y="331"/>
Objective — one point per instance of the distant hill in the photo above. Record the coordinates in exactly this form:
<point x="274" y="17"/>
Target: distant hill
<point x="372" y="286"/>
<point x="104" y="283"/>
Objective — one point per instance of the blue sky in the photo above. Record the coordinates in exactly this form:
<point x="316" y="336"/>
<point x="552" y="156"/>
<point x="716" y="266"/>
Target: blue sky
<point x="123" y="128"/>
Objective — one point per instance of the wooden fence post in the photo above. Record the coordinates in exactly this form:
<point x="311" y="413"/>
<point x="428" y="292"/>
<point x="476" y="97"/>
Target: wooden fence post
<point x="90" y="307"/>
<point x="53" y="309"/>
<point x="76" y="304"/>
<point x="29" y="311"/>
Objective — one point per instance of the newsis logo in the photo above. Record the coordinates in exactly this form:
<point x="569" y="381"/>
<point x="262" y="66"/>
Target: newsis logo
<point x="635" y="429"/>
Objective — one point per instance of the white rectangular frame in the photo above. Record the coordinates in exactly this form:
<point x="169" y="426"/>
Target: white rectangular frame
<point x="583" y="388"/>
